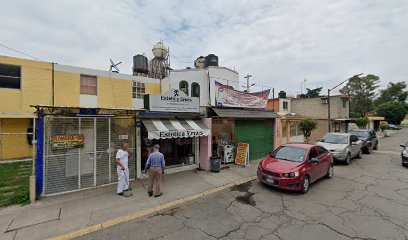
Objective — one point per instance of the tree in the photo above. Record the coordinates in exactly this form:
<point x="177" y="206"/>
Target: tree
<point x="395" y="92"/>
<point x="393" y="112"/>
<point x="362" y="122"/>
<point x="307" y="126"/>
<point x="312" y="93"/>
<point x="362" y="91"/>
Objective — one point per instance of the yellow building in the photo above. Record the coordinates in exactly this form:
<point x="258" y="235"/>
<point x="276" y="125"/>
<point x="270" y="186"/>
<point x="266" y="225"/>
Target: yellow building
<point x="26" y="82"/>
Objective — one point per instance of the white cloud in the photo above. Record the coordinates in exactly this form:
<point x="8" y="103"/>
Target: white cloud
<point x="279" y="42"/>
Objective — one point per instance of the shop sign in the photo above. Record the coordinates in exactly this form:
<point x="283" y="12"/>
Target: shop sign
<point x="179" y="134"/>
<point x="226" y="97"/>
<point x="242" y="157"/>
<point x="60" y="142"/>
<point x="172" y="101"/>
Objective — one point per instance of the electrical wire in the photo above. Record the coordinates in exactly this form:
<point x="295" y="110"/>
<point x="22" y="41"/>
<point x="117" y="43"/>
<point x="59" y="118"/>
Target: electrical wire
<point x="17" y="51"/>
<point x="171" y="55"/>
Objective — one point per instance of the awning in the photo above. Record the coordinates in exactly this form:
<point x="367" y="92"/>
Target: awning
<point x="172" y="128"/>
<point x="244" y="113"/>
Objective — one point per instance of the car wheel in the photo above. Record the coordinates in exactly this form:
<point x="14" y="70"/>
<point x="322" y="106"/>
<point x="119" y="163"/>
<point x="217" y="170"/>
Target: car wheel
<point x="360" y="154"/>
<point x="368" y="150"/>
<point x="347" y="162"/>
<point x="330" y="171"/>
<point x="305" y="184"/>
<point x="375" y="146"/>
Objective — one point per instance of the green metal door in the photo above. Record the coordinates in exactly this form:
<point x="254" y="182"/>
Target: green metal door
<point x="259" y="135"/>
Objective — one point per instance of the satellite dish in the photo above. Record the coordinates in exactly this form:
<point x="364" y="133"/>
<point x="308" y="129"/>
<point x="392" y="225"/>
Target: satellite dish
<point x="113" y="67"/>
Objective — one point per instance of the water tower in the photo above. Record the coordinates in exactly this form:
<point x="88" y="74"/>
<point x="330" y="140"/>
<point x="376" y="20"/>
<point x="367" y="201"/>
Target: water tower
<point x="160" y="64"/>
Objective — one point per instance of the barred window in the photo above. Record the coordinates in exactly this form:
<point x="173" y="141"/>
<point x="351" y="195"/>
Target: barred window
<point x="293" y="128"/>
<point x="89" y="85"/>
<point x="138" y="89"/>
<point x="183" y="86"/>
<point x="195" y="89"/>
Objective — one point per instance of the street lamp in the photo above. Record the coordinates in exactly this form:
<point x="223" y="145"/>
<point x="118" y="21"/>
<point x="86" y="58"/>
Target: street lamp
<point x="328" y="98"/>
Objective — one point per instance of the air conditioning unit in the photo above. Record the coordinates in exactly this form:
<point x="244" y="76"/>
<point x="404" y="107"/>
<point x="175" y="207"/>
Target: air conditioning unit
<point x="324" y="100"/>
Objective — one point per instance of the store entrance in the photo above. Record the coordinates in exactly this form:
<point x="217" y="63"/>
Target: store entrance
<point x="177" y="151"/>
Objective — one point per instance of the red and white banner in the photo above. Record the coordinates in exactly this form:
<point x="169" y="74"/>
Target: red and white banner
<point x="226" y="97"/>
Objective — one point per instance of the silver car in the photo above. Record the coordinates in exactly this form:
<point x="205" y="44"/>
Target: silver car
<point x="344" y="146"/>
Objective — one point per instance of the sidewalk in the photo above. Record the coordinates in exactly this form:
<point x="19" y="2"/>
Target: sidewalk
<point x="54" y="216"/>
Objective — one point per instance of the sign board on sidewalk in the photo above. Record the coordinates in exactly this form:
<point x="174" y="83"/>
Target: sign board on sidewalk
<point x="173" y="100"/>
<point x="60" y="142"/>
<point x="242" y="157"/>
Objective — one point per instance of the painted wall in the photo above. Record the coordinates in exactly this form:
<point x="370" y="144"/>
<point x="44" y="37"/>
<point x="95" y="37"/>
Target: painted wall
<point x="114" y="90"/>
<point x="314" y="108"/>
<point x="15" y="146"/>
<point x="206" y="146"/>
<point x="206" y="78"/>
<point x="36" y="87"/>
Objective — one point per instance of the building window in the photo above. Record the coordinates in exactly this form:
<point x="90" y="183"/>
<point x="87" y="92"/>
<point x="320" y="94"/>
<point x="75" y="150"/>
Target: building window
<point x="89" y="85"/>
<point x="195" y="89"/>
<point x="10" y="76"/>
<point x="138" y="89"/>
<point x="344" y="103"/>
<point x="285" y="106"/>
<point x="183" y="86"/>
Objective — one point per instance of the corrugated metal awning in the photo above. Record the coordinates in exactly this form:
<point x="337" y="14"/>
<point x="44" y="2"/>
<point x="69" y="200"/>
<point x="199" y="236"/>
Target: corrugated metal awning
<point x="172" y="128"/>
<point x="244" y="113"/>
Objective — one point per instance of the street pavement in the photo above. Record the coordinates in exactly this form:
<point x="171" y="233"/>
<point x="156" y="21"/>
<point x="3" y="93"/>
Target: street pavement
<point x="367" y="199"/>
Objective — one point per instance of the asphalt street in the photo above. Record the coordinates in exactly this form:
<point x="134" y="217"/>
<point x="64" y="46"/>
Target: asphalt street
<point x="367" y="199"/>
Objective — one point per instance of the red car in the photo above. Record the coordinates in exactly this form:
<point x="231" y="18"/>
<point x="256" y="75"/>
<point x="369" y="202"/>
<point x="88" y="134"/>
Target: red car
<point x="294" y="166"/>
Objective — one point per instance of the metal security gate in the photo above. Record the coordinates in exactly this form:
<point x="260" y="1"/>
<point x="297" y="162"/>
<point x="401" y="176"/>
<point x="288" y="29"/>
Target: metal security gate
<point x="92" y="164"/>
<point x="259" y="135"/>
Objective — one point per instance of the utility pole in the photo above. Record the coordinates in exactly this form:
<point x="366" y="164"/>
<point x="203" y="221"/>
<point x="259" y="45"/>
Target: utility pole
<point x="328" y="98"/>
<point x="247" y="82"/>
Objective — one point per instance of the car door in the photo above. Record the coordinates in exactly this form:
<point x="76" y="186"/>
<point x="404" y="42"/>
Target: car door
<point x="355" y="148"/>
<point x="313" y="167"/>
<point x="324" y="161"/>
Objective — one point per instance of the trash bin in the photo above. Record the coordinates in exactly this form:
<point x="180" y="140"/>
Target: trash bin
<point x="215" y="164"/>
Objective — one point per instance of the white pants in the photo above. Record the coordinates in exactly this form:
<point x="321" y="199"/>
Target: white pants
<point x="123" y="181"/>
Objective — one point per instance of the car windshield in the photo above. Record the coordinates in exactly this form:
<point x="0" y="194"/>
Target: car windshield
<point x="292" y="154"/>
<point x="361" y="134"/>
<point x="337" y="139"/>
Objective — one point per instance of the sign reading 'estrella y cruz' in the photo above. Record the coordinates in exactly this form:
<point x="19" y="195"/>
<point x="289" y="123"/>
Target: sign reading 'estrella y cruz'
<point x="172" y="101"/>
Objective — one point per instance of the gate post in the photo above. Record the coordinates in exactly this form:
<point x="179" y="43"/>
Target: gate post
<point x="39" y="163"/>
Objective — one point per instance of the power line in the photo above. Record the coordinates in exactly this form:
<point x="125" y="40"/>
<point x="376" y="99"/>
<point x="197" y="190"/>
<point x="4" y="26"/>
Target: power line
<point x="180" y="59"/>
<point x="12" y="49"/>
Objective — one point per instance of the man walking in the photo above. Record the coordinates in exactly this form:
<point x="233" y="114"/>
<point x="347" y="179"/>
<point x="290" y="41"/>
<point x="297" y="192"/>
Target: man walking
<point x="155" y="165"/>
<point x="122" y="160"/>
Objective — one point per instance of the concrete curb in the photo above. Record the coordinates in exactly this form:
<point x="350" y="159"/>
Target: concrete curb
<point x="149" y="211"/>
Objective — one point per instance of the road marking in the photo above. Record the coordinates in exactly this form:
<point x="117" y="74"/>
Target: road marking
<point x="148" y="211"/>
<point x="388" y="152"/>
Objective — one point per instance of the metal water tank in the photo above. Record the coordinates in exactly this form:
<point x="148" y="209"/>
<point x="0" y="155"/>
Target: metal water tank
<point x="160" y="51"/>
<point x="282" y="94"/>
<point x="211" y="60"/>
<point x="140" y="64"/>
<point x="200" y="62"/>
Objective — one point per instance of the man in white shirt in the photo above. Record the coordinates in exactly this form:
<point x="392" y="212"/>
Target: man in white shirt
<point x="122" y="160"/>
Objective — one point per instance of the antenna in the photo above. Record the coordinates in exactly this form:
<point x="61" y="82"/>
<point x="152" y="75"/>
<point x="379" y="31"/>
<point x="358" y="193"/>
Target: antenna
<point x="114" y="66"/>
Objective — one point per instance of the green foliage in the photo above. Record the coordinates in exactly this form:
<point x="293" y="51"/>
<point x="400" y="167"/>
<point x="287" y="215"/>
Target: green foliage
<point x="312" y="93"/>
<point x="362" y="91"/>
<point x="393" y="112"/>
<point x="395" y="92"/>
<point x="307" y="126"/>
<point x="354" y="115"/>
<point x="14" y="184"/>
<point x="361" y="122"/>
<point x="382" y="128"/>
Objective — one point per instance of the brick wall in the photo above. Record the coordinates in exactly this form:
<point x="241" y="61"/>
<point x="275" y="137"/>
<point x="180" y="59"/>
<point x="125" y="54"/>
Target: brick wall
<point x="314" y="108"/>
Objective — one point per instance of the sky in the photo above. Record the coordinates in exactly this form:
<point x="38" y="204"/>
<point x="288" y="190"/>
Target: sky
<point x="280" y="43"/>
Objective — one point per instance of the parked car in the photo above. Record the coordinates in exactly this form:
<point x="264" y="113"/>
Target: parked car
<point x="404" y="154"/>
<point x="369" y="138"/>
<point x="393" y="127"/>
<point x="344" y="146"/>
<point x="294" y="166"/>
